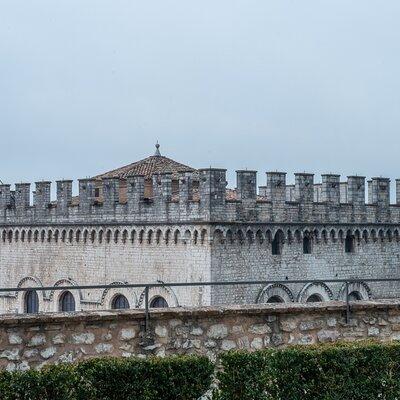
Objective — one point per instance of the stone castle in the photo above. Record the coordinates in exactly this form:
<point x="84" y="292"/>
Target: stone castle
<point x="157" y="220"/>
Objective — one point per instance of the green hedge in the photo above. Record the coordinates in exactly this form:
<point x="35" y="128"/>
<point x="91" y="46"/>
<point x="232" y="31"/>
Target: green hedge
<point x="173" y="378"/>
<point x="363" y="371"/>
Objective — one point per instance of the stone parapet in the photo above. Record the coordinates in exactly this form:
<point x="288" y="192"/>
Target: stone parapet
<point x="36" y="340"/>
<point x="163" y="199"/>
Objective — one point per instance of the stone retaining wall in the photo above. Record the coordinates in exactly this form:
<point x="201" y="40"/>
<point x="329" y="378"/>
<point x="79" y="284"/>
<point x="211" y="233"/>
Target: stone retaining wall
<point x="35" y="340"/>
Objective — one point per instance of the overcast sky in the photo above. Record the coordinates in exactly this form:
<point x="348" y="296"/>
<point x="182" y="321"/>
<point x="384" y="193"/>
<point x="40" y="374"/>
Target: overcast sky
<point x="88" y="86"/>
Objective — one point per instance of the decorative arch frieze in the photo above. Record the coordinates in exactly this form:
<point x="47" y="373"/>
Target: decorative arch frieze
<point x="361" y="288"/>
<point x="164" y="291"/>
<point x="109" y="293"/>
<point x="277" y="290"/>
<point x="319" y="289"/>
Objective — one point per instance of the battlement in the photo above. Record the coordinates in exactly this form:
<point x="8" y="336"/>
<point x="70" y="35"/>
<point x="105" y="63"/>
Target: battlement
<point x="202" y="195"/>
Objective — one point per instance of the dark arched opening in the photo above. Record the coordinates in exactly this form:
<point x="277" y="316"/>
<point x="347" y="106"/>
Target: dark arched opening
<point x="67" y="302"/>
<point x="349" y="243"/>
<point x="307" y="247"/>
<point x="31" y="302"/>
<point x="277" y="243"/>
<point x="355" y="296"/>
<point x="314" y="298"/>
<point x="158" y="302"/>
<point x="275" y="299"/>
<point x="119" y="302"/>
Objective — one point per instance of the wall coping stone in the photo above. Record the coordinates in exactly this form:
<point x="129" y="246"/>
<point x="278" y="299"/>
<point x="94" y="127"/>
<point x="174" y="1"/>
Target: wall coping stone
<point x="199" y="312"/>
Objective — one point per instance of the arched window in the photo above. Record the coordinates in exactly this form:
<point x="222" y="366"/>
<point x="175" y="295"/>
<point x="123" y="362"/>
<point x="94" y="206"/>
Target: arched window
<point x="158" y="302"/>
<point x="119" y="302"/>
<point x="349" y="243"/>
<point x="277" y="243"/>
<point x="355" y="296"/>
<point x="31" y="302"/>
<point x="275" y="299"/>
<point x="67" y="302"/>
<point x="307" y="248"/>
<point x="314" y="298"/>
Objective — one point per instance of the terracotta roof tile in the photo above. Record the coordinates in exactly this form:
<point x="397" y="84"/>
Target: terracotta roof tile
<point x="147" y="167"/>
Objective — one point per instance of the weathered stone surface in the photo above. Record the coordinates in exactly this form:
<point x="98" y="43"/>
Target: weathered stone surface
<point x="311" y="324"/>
<point x="260" y="329"/>
<point x="196" y="331"/>
<point x="210" y="344"/>
<point x="257" y="343"/>
<point x="277" y="339"/>
<point x="67" y="357"/>
<point x="127" y="334"/>
<point x="288" y="325"/>
<point x="218" y="331"/>
<point x="37" y="340"/>
<point x="237" y="329"/>
<point x="373" y="331"/>
<point x="203" y="331"/>
<point x="243" y="342"/>
<point x="306" y="339"/>
<point x="83" y="338"/>
<point x="106" y="337"/>
<point x="102" y="348"/>
<point x="331" y="322"/>
<point x="30" y="353"/>
<point x="12" y="354"/>
<point x="59" y="339"/>
<point x="161" y="331"/>
<point x="328" y="336"/>
<point x="14" y="338"/>
<point x="228" y="345"/>
<point x="48" y="353"/>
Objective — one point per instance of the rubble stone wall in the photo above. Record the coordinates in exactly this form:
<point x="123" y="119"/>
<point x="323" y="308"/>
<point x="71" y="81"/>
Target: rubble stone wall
<point x="32" y="341"/>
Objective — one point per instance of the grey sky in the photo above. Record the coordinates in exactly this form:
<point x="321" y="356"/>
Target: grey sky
<point x="87" y="86"/>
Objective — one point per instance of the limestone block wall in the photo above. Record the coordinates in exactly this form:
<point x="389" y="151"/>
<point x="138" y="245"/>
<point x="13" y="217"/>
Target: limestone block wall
<point x="36" y="340"/>
<point x="93" y="255"/>
<point x="244" y="252"/>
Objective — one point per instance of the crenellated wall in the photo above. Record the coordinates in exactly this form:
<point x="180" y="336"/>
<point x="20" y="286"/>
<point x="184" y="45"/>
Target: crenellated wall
<point x="202" y="196"/>
<point x="195" y="229"/>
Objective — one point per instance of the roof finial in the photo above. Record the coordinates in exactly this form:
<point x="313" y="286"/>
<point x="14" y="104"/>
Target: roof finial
<point x="157" y="153"/>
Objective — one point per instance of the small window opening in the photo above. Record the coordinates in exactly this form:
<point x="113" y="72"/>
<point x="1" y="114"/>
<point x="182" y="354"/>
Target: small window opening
<point x="67" y="302"/>
<point x="355" y="296"/>
<point x="275" y="299"/>
<point x="314" y="298"/>
<point x="158" y="302"/>
<point x="307" y="245"/>
<point x="119" y="302"/>
<point x="277" y="243"/>
<point x="31" y="302"/>
<point x="349" y="244"/>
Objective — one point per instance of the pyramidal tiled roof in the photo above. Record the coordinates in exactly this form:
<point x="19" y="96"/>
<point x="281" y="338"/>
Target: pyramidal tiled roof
<point x="155" y="164"/>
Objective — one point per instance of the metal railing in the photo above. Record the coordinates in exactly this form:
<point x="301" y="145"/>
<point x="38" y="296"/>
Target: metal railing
<point x="148" y="286"/>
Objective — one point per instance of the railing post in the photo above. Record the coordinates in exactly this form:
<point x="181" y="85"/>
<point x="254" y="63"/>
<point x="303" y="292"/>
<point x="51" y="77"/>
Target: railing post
<point x="347" y="304"/>
<point x="146" y="305"/>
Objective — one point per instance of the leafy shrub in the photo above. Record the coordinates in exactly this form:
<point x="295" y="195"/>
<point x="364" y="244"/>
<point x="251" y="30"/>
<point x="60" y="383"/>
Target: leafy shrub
<point x="170" y="378"/>
<point x="178" y="378"/>
<point x="367" y="371"/>
<point x="52" y="382"/>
